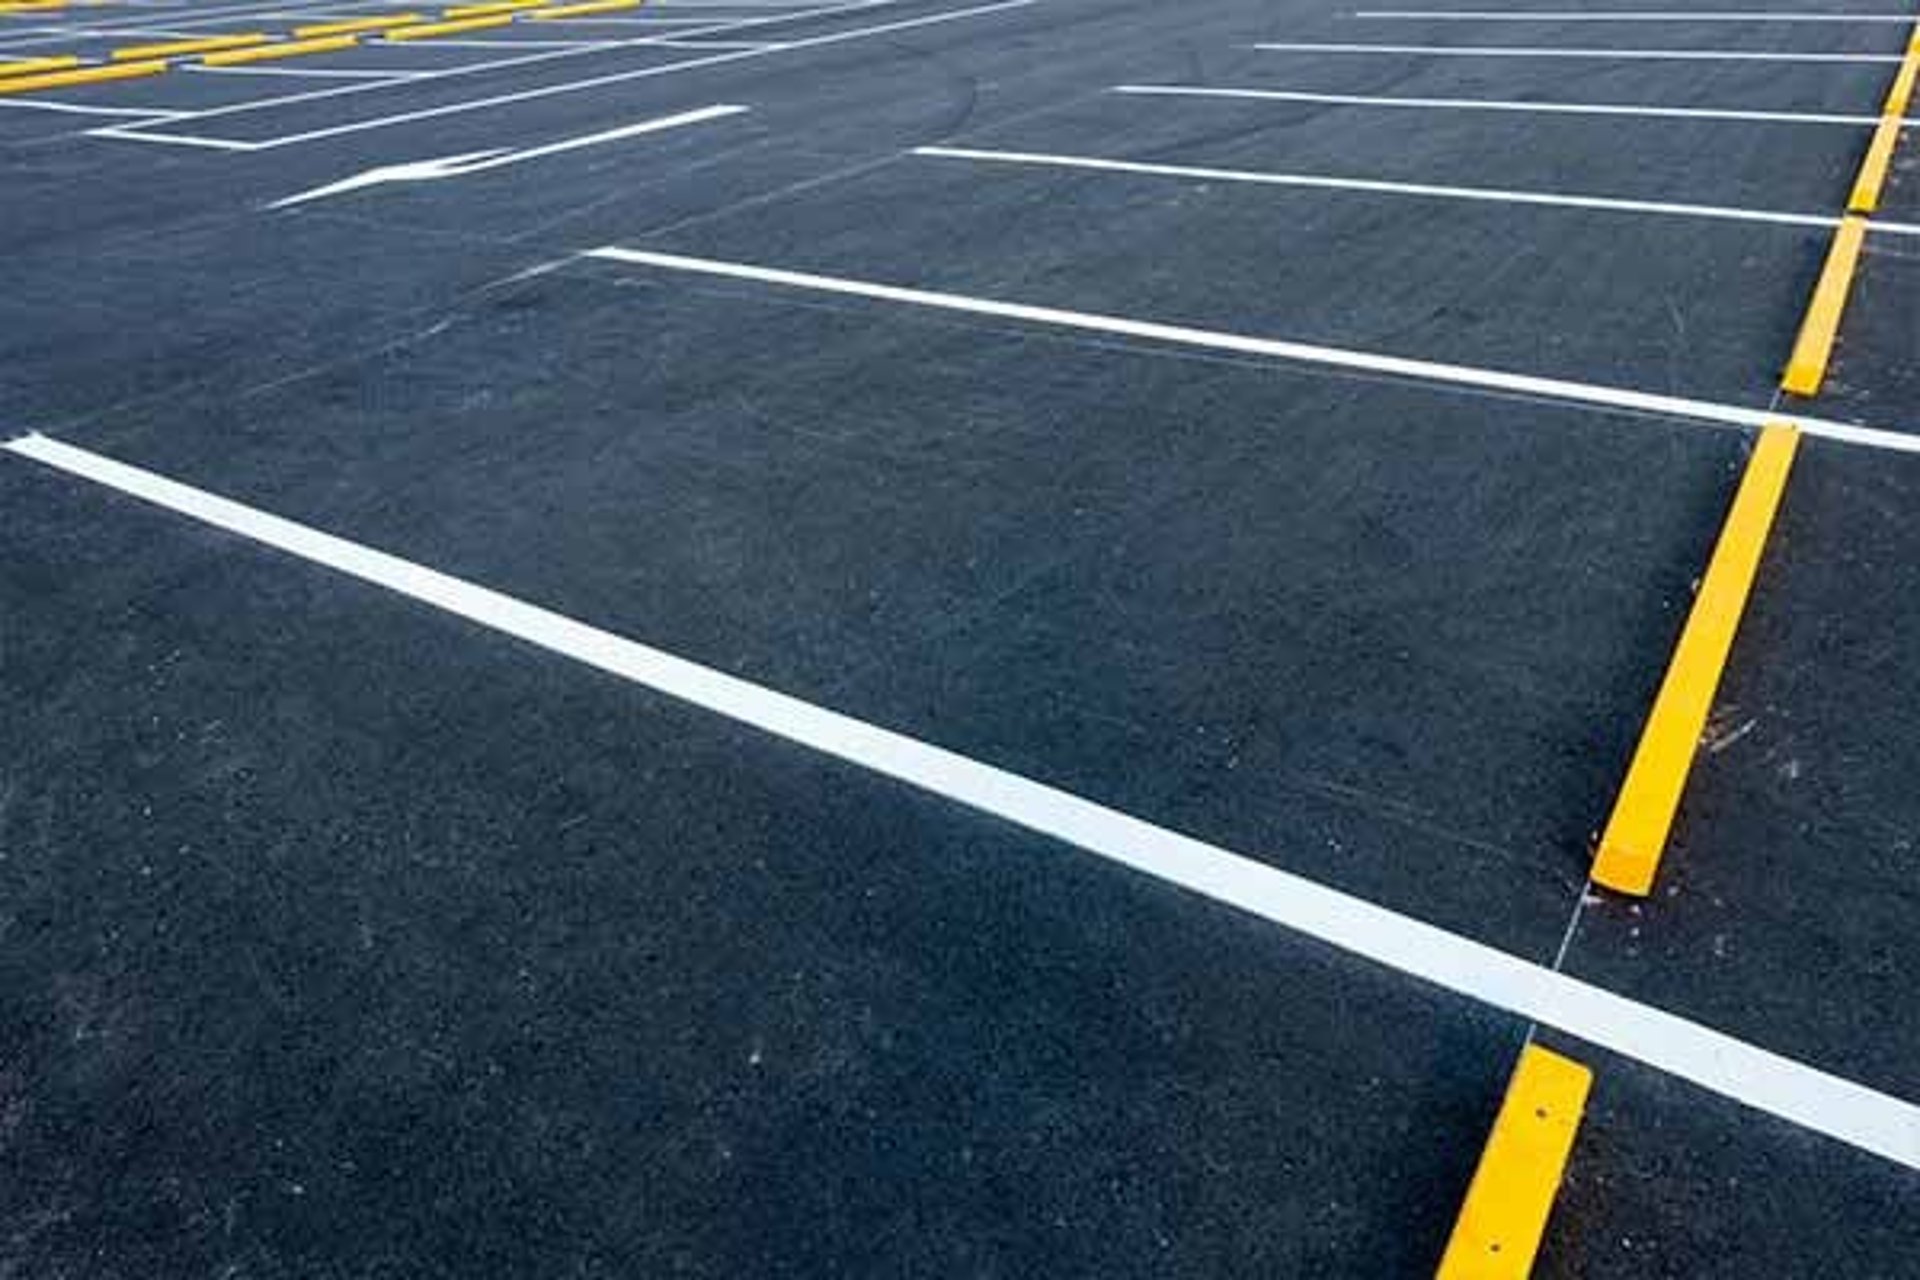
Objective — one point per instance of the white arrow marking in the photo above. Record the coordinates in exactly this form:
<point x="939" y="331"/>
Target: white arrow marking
<point x="480" y="161"/>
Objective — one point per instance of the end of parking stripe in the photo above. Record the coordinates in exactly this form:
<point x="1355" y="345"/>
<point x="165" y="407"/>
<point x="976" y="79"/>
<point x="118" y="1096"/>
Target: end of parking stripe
<point x="1807" y="367"/>
<point x="1636" y="834"/>
<point x="1512" y="1193"/>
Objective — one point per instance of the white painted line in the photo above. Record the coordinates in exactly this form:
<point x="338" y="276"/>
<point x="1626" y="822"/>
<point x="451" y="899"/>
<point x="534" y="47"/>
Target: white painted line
<point x="1216" y="340"/>
<point x="297" y="73"/>
<point x="1489" y="195"/>
<point x="1517" y="51"/>
<point x="81" y="109"/>
<point x="692" y="42"/>
<point x="442" y="43"/>
<point x="589" y="21"/>
<point x="594" y="82"/>
<point x="1625" y="15"/>
<point x="481" y="161"/>
<point x="1497" y="104"/>
<point x="126" y="133"/>
<point x="1840" y="1109"/>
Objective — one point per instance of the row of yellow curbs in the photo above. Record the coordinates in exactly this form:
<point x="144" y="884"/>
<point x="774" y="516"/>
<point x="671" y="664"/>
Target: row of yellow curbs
<point x="1507" y="1206"/>
<point x="1807" y="367"/>
<point x="129" y="61"/>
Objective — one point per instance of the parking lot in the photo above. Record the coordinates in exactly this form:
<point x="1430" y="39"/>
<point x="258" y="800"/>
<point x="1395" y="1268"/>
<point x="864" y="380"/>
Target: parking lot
<point x="953" y="637"/>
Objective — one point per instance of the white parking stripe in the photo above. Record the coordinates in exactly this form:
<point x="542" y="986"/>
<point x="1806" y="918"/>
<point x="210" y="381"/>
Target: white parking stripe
<point x="1841" y="1109"/>
<point x="1308" y="353"/>
<point x="1629" y="55"/>
<point x="1623" y="15"/>
<point x="1498" y="104"/>
<point x="1488" y="195"/>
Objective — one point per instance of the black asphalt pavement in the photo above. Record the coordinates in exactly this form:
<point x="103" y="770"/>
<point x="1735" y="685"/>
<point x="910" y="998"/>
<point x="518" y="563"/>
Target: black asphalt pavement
<point x="341" y="936"/>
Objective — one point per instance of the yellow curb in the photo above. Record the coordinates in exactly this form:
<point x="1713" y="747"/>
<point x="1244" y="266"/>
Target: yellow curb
<point x="494" y="6"/>
<point x="1636" y="834"/>
<point x="1807" y="367"/>
<point x="140" y="52"/>
<point x="286" y="49"/>
<point x="30" y="66"/>
<point x="582" y="10"/>
<point x="85" y="75"/>
<point x="427" y="31"/>
<point x="1512" y="1193"/>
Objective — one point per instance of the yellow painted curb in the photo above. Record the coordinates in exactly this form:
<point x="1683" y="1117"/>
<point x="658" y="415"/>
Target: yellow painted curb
<point x="207" y="44"/>
<point x="426" y="31"/>
<point x="1512" y="1193"/>
<point x="494" y="6"/>
<point x="1902" y="91"/>
<point x="1865" y="197"/>
<point x="285" y="49"/>
<point x="31" y="66"/>
<point x="1636" y="835"/>
<point x="85" y="75"/>
<point x="355" y="24"/>
<point x="1807" y="367"/>
<point x="582" y="10"/>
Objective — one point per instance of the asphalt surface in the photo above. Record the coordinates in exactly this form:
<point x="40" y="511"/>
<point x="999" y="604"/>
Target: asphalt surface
<point x="342" y="937"/>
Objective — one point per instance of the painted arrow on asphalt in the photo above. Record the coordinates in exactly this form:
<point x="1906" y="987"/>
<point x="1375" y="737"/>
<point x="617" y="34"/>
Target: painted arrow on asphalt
<point x="480" y="161"/>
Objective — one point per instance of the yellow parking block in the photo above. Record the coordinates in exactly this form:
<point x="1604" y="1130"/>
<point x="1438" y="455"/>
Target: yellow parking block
<point x="1807" y="367"/>
<point x="1873" y="170"/>
<point x="1512" y="1193"/>
<point x="428" y="30"/>
<point x="356" y="24"/>
<point x="85" y="75"/>
<point x="206" y="44"/>
<point x="1902" y="91"/>
<point x="1636" y="834"/>
<point x="495" y="6"/>
<point x="31" y="66"/>
<point x="582" y="10"/>
<point x="285" y="49"/>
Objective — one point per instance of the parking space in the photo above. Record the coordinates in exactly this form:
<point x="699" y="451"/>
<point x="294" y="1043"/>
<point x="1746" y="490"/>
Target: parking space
<point x="924" y="636"/>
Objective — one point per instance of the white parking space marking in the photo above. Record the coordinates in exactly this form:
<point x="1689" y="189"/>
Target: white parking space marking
<point x="302" y="73"/>
<point x="1279" y="349"/>
<point x="1804" y="1095"/>
<point x="1624" y="15"/>
<point x="1498" y="104"/>
<point x="1489" y="195"/>
<point x="442" y="43"/>
<point x="1625" y="55"/>
<point x="174" y="139"/>
<point x="84" y="109"/>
